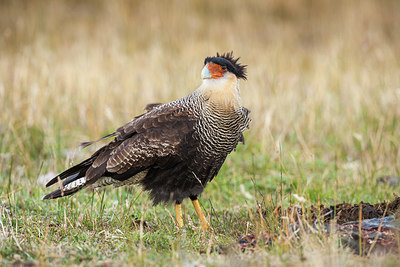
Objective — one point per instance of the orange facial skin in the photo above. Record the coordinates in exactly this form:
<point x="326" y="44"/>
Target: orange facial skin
<point x="216" y="70"/>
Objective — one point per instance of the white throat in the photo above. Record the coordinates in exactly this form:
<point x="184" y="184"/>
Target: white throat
<point x="222" y="92"/>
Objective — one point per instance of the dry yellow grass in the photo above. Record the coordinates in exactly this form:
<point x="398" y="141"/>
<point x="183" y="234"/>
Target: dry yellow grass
<point x="323" y="76"/>
<point x="315" y="68"/>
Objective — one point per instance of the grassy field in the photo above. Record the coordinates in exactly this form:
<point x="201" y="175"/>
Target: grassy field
<point x="323" y="87"/>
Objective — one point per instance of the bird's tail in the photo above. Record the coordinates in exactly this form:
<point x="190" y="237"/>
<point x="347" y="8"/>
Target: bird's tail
<point x="68" y="188"/>
<point x="74" y="181"/>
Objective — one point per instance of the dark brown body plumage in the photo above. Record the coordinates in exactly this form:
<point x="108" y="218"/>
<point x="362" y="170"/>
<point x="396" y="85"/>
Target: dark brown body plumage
<point x="173" y="150"/>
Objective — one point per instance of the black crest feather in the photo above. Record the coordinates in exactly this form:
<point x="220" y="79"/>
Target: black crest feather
<point x="227" y="60"/>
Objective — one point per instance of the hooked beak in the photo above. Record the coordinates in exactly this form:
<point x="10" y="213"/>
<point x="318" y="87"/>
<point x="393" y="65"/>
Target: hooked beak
<point x="205" y="73"/>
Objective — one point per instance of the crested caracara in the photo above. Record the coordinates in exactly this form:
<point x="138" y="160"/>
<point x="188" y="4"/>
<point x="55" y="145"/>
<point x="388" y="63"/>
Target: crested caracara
<point x="173" y="150"/>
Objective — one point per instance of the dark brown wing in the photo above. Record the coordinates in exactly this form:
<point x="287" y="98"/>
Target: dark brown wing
<point x="146" y="141"/>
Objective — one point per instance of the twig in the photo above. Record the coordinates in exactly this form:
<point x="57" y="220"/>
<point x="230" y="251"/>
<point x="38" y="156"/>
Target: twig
<point x="197" y="178"/>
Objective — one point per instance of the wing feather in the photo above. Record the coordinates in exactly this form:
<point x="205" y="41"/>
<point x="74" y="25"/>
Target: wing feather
<point x="144" y="142"/>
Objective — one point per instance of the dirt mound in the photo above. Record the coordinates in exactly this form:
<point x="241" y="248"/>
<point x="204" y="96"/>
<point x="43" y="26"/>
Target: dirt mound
<point x="377" y="232"/>
<point x="345" y="212"/>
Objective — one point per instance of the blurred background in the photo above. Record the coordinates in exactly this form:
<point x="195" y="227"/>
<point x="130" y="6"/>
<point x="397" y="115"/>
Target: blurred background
<point x="323" y="76"/>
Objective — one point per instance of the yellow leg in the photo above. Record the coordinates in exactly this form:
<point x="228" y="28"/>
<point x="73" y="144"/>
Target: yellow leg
<point x="203" y="221"/>
<point x="178" y="215"/>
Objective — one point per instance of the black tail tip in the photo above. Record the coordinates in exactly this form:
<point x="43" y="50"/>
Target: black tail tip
<point x="47" y="197"/>
<point x="53" y="195"/>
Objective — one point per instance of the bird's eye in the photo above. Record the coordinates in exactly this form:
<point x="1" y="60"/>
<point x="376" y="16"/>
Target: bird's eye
<point x="224" y="67"/>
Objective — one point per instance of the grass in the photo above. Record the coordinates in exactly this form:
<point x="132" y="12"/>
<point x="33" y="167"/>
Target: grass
<point x="323" y="88"/>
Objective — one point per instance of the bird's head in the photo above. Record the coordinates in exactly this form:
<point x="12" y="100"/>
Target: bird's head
<point x="222" y="66"/>
<point x="220" y="81"/>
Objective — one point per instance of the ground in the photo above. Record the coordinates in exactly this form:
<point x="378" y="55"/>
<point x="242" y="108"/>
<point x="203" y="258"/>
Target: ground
<point x="323" y="87"/>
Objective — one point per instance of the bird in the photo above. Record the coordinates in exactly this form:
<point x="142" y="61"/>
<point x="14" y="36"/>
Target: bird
<point x="172" y="150"/>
